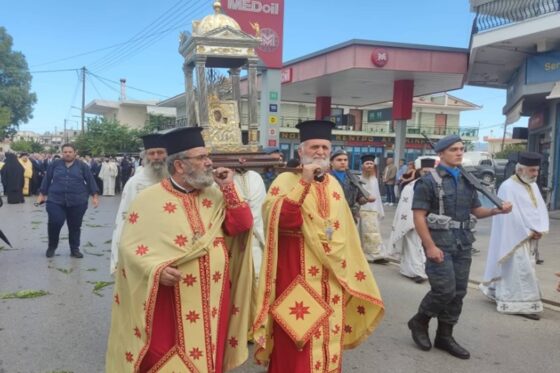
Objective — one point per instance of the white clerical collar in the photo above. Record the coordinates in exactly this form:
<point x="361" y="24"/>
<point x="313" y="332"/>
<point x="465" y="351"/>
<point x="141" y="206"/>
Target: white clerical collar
<point x="180" y="188"/>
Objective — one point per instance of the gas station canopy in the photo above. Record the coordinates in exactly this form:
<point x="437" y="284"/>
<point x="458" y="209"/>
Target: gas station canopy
<point x="362" y="72"/>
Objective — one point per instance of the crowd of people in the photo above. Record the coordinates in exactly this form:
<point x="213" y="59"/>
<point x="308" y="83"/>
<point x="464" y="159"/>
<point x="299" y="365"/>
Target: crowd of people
<point x="22" y="173"/>
<point x="206" y="260"/>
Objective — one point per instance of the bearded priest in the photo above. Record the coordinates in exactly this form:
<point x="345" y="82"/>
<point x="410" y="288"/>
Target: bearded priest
<point x="317" y="295"/>
<point x="510" y="278"/>
<point x="184" y="274"/>
<point x="152" y="172"/>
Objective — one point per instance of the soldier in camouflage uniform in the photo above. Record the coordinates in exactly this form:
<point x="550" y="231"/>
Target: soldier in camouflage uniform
<point x="445" y="208"/>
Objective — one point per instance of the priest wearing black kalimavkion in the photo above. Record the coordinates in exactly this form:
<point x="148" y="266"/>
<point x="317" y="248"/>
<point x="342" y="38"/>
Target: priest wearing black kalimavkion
<point x="510" y="278"/>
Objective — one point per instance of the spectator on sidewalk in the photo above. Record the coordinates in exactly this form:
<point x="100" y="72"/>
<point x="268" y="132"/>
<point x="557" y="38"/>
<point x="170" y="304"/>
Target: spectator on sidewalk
<point x="66" y="188"/>
<point x="401" y="170"/>
<point x="12" y="179"/>
<point x="389" y="180"/>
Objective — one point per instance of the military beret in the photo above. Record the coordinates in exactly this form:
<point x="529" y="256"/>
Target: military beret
<point x="338" y="152"/>
<point x="446" y="142"/>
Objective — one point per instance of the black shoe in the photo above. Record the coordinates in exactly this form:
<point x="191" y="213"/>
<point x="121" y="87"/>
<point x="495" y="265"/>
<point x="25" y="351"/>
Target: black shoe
<point x="76" y="254"/>
<point x="420" y="334"/>
<point x="380" y="261"/>
<point x="418" y="279"/>
<point x="448" y="343"/>
<point x="540" y="261"/>
<point x="50" y="253"/>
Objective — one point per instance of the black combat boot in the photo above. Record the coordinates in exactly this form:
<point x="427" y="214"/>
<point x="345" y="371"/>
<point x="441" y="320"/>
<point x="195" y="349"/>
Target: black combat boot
<point x="445" y="341"/>
<point x="418" y="325"/>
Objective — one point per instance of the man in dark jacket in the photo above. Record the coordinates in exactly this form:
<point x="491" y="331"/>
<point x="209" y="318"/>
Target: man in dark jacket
<point x="67" y="185"/>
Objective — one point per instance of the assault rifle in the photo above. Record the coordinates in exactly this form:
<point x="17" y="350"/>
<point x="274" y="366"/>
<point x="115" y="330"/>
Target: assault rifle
<point x="357" y="183"/>
<point x="473" y="180"/>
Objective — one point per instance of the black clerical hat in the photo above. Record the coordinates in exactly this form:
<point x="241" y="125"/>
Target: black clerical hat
<point x="367" y="157"/>
<point x="529" y="159"/>
<point x="315" y="129"/>
<point x="427" y="163"/>
<point x="183" y="138"/>
<point x="153" y="140"/>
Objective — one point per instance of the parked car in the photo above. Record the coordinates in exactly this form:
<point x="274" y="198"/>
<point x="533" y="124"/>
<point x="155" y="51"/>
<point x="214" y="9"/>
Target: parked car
<point x="489" y="170"/>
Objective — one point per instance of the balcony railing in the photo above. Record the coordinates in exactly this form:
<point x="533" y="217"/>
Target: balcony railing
<point x="376" y="130"/>
<point x="418" y="129"/>
<point x="504" y="12"/>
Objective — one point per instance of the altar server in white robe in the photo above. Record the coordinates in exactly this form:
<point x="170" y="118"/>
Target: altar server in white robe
<point x="510" y="278"/>
<point x="251" y="186"/>
<point x="108" y="173"/>
<point x="404" y="242"/>
<point x="152" y="172"/>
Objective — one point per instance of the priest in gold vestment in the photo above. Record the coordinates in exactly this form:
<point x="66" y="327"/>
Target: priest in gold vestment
<point x="183" y="281"/>
<point x="317" y="295"/>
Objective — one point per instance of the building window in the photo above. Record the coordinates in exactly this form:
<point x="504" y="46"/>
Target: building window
<point x="440" y="124"/>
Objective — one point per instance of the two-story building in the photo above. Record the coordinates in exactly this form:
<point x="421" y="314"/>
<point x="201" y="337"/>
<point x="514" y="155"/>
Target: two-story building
<point x="515" y="45"/>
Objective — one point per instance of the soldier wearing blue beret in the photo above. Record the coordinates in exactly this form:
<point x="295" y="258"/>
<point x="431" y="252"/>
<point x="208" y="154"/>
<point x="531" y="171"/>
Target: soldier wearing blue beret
<point x="445" y="207"/>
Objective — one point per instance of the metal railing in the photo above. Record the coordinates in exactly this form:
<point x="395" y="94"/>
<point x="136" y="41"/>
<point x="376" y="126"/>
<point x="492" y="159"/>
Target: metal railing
<point x="377" y="130"/>
<point x="503" y="12"/>
<point x="418" y="129"/>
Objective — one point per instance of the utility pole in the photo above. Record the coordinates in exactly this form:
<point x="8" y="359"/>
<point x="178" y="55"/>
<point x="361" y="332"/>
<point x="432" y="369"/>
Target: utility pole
<point x="83" y="96"/>
<point x="65" y="133"/>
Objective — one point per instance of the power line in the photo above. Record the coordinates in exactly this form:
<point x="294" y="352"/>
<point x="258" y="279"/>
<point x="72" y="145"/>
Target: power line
<point x="52" y="71"/>
<point x="74" y="95"/>
<point x="128" y="87"/>
<point x="154" y="26"/>
<point x="95" y="88"/>
<point x="177" y="21"/>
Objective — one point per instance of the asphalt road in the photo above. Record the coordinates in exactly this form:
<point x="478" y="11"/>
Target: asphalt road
<point x="66" y="330"/>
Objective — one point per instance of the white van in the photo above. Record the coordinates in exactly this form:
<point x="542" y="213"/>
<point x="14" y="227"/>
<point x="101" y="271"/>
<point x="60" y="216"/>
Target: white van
<point x="473" y="158"/>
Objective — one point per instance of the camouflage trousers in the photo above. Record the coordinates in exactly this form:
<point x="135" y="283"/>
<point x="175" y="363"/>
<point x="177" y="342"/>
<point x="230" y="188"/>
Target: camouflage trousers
<point x="448" y="281"/>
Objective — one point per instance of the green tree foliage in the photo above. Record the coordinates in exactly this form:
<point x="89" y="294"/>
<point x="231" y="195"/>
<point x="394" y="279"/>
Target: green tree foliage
<point x="28" y="146"/>
<point x="104" y="138"/>
<point x="156" y="123"/>
<point x="16" y="100"/>
<point x="509" y="149"/>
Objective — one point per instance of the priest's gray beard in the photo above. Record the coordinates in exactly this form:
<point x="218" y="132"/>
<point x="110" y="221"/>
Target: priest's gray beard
<point x="527" y="179"/>
<point x="156" y="170"/>
<point x="323" y="163"/>
<point x="368" y="174"/>
<point x="199" y="179"/>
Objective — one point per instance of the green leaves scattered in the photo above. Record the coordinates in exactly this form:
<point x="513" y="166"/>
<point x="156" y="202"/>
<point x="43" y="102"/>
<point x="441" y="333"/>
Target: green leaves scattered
<point x="108" y="241"/>
<point x="92" y="252"/>
<point x="88" y="244"/>
<point x="100" y="285"/>
<point x="66" y="271"/>
<point x="24" y="294"/>
<point x="91" y="269"/>
<point x="94" y="225"/>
